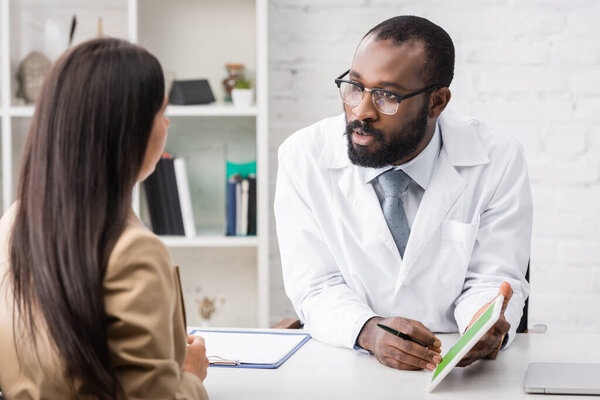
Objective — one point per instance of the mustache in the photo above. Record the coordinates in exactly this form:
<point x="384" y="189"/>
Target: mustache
<point x="366" y="128"/>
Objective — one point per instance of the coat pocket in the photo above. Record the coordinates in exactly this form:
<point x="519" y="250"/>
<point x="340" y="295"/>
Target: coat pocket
<point x="457" y="241"/>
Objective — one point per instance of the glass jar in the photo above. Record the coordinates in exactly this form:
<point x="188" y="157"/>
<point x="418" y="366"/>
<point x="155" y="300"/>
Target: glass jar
<point x="235" y="72"/>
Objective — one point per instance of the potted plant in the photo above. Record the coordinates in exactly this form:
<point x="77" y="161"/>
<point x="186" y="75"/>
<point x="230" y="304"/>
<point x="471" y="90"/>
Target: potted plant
<point x="242" y="93"/>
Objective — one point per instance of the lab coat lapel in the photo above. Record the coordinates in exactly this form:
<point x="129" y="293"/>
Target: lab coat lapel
<point x="444" y="188"/>
<point x="364" y="200"/>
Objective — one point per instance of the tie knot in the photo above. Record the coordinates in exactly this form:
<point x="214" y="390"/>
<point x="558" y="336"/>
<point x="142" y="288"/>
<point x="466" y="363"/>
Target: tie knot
<point x="393" y="182"/>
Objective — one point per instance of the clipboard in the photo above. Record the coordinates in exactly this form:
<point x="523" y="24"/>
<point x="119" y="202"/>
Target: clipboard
<point x="250" y="349"/>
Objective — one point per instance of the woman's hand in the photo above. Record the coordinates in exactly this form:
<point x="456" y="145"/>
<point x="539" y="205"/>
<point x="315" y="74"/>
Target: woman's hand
<point x="195" y="357"/>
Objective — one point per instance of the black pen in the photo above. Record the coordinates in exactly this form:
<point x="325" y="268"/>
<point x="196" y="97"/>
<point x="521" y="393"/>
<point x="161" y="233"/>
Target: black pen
<point x="400" y="334"/>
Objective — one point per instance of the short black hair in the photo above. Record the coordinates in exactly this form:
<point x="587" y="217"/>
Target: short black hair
<point x="439" y="49"/>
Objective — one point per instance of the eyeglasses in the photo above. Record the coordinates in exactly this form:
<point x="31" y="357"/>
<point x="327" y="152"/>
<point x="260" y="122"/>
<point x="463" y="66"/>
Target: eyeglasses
<point x="384" y="101"/>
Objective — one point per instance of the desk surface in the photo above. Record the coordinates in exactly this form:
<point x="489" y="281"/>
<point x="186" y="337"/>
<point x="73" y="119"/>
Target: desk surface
<point x="320" y="371"/>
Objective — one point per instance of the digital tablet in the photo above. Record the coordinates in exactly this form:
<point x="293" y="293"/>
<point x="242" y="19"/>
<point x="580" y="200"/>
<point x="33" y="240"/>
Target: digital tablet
<point x="466" y="342"/>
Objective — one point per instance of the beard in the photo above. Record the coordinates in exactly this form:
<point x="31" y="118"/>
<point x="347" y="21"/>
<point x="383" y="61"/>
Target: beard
<point x="402" y="143"/>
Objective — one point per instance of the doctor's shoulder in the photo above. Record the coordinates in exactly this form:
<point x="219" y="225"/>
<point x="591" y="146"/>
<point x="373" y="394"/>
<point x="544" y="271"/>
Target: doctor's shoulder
<point x="500" y="146"/>
<point x="316" y="142"/>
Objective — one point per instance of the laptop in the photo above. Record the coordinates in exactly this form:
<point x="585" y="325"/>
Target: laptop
<point x="563" y="378"/>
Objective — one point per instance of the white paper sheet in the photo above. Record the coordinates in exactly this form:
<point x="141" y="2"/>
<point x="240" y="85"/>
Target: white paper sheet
<point x="249" y="348"/>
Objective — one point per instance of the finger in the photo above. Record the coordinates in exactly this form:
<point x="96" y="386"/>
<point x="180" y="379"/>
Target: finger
<point x="479" y="351"/>
<point x="190" y="339"/>
<point x="437" y="344"/>
<point x="418" y="331"/>
<point x="506" y="291"/>
<point x="195" y="340"/>
<point x="420" y="352"/>
<point x="411" y="360"/>
<point x="467" y="360"/>
<point x="501" y="327"/>
<point x="486" y="346"/>
<point x="393" y="363"/>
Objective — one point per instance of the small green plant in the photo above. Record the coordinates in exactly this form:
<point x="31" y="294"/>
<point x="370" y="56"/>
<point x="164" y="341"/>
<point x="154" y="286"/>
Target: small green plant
<point x="243" y="84"/>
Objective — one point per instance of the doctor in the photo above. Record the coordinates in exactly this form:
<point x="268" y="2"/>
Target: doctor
<point x="401" y="213"/>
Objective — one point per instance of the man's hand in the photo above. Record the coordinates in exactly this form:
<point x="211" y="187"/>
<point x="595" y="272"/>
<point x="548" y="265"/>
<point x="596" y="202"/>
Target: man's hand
<point x="396" y="352"/>
<point x="489" y="345"/>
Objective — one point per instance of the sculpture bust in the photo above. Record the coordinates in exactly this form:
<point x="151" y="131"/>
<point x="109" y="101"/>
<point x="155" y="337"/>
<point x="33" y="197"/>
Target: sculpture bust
<point x="30" y="75"/>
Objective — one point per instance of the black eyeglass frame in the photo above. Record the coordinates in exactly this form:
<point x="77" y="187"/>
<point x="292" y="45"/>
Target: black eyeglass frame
<point x="399" y="97"/>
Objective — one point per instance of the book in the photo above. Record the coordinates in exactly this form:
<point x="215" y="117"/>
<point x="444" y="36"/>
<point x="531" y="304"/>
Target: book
<point x="163" y="199"/>
<point x="153" y="198"/>
<point x="172" y="197"/>
<point x="185" y="198"/>
<point x="238" y="207"/>
<point x="245" y="184"/>
<point x="161" y="193"/>
<point x="230" y="207"/>
<point x="252" y="204"/>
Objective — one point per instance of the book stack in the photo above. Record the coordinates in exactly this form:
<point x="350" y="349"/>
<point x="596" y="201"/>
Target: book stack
<point x="241" y="205"/>
<point x="168" y="196"/>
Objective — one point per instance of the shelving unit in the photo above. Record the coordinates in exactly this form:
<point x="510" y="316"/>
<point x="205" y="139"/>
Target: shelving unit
<point x="192" y="39"/>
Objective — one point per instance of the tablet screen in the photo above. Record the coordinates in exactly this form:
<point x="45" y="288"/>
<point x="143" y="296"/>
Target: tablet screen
<point x="467" y="341"/>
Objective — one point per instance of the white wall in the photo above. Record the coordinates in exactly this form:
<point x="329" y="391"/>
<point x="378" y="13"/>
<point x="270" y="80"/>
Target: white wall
<point x="531" y="68"/>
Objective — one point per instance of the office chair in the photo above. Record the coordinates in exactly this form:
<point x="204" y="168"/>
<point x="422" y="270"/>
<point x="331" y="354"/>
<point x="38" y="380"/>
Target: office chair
<point x="522" y="328"/>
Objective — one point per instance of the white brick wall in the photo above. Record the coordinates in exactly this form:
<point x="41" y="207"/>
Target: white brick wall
<point x="530" y="68"/>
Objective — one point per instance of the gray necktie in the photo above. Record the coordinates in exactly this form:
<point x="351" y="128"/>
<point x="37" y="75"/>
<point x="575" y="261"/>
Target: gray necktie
<point x="394" y="183"/>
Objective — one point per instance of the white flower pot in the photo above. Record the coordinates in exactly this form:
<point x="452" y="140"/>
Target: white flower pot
<point x="242" y="97"/>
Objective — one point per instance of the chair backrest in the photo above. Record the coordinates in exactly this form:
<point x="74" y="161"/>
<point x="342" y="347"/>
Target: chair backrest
<point x="523" y="323"/>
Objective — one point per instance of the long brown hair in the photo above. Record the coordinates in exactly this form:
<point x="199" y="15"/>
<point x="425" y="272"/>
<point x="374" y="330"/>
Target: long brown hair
<point x="83" y="154"/>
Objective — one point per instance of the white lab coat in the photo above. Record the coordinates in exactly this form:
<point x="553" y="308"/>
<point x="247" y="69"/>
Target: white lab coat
<point x="471" y="232"/>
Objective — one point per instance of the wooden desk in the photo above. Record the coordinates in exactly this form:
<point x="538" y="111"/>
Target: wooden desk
<point x="320" y="371"/>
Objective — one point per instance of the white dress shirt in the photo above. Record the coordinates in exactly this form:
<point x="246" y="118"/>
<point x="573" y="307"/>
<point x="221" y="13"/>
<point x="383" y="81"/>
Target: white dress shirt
<point x="419" y="169"/>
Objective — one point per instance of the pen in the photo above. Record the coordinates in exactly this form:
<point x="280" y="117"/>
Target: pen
<point x="400" y="334"/>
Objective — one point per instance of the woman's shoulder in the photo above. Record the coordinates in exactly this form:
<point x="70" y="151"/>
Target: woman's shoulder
<point x="137" y="247"/>
<point x="6" y="224"/>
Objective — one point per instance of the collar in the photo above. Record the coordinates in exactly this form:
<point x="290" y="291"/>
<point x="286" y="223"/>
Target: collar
<point x="459" y="137"/>
<point x="420" y="169"/>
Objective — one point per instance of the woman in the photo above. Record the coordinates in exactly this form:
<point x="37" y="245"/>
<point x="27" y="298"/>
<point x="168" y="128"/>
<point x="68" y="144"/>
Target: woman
<point x="89" y="307"/>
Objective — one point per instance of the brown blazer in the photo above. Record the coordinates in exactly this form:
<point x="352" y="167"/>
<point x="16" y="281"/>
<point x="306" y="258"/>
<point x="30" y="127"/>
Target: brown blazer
<point x="146" y="332"/>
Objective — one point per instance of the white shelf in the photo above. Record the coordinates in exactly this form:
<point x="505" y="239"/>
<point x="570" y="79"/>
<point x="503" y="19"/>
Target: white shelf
<point x="211" y="110"/>
<point x="210" y="241"/>
<point x="21" y="111"/>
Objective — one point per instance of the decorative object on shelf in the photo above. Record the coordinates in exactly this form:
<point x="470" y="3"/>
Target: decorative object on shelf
<point x="72" y="30"/>
<point x="242" y="93"/>
<point x="206" y="308"/>
<point x="30" y="75"/>
<point x="235" y="72"/>
<point x="169" y="79"/>
<point x="191" y="92"/>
